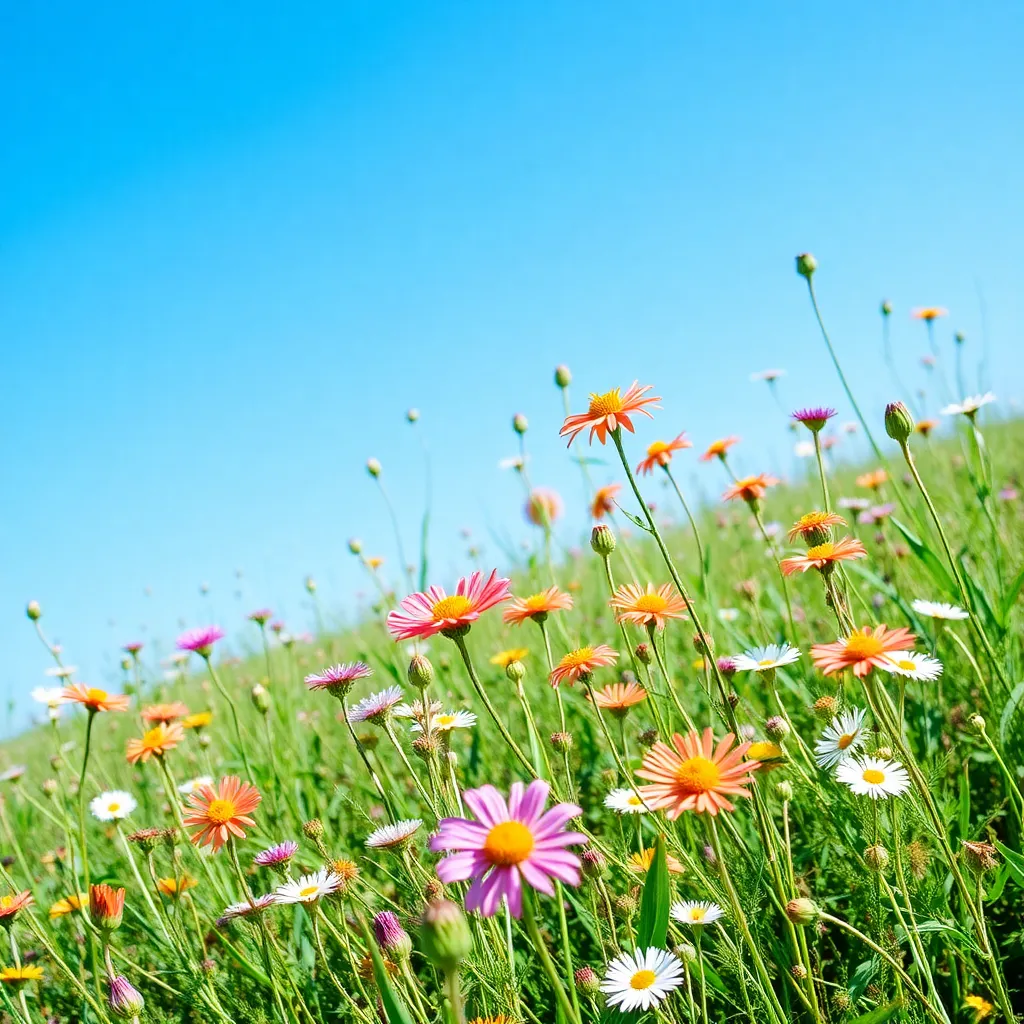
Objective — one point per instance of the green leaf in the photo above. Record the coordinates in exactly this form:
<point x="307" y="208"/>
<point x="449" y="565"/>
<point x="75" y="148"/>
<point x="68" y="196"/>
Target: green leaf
<point x="930" y="560"/>
<point x="879" y="1014"/>
<point x="394" y="1009"/>
<point x="653" y="927"/>
<point x="1008" y="712"/>
<point x="1010" y="597"/>
<point x="979" y="598"/>
<point x="1014" y="863"/>
<point x="965" y="804"/>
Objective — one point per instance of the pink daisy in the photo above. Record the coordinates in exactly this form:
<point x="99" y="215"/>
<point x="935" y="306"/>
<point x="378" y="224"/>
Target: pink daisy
<point x="509" y="844"/>
<point x="337" y="680"/>
<point x="423" y="615"/>
<point x="275" y="855"/>
<point x="200" y="640"/>
<point x="377" y="707"/>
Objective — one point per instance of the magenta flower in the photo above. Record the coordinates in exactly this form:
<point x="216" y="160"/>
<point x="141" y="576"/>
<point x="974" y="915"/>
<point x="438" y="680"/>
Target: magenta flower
<point x="200" y="640"/>
<point x="814" y="418"/>
<point x="261" y="616"/>
<point x="511" y="843"/>
<point x="275" y="855"/>
<point x="337" y="680"/>
<point x="132" y="648"/>
<point x="434" y="611"/>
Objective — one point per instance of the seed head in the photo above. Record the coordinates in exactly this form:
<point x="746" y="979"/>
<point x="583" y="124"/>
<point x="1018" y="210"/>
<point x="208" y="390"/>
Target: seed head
<point x="981" y="857"/>
<point x="826" y="707"/>
<point x="876" y="857"/>
<point x="561" y="741"/>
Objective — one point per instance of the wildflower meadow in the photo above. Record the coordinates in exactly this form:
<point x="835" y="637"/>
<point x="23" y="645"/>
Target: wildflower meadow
<point x="754" y="760"/>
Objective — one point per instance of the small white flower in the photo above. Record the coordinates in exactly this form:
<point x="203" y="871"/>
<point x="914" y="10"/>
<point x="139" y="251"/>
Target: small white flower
<point x="969" y="406"/>
<point x="187" y="788"/>
<point x="447" y="721"/>
<point x="640" y="980"/>
<point x="513" y="462"/>
<point x="873" y="777"/>
<point x="625" y="801"/>
<point x="61" y="671"/>
<point x="112" y="806"/>
<point x="309" y="888"/>
<point x="13" y="773"/>
<point x="728" y="614"/>
<point x="841" y="739"/>
<point x="696" y="912"/>
<point x="804" y="449"/>
<point x="915" y="666"/>
<point x="389" y="836"/>
<point x="51" y="696"/>
<point x="761" y="659"/>
<point x="938" y="610"/>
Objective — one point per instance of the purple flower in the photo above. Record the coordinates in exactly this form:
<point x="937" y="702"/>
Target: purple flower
<point x="511" y="843"/>
<point x="125" y="1000"/>
<point x="392" y="938"/>
<point x="200" y="640"/>
<point x="377" y="707"/>
<point x="275" y="855"/>
<point x="338" y="679"/>
<point x="132" y="648"/>
<point x="876" y="514"/>
<point x="727" y="666"/>
<point x="815" y="417"/>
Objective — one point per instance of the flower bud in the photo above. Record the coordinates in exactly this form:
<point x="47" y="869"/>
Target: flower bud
<point x="802" y="911"/>
<point x="899" y="423"/>
<point x="125" y="1000"/>
<point x="886" y="307"/>
<point x="49" y="787"/>
<point x="625" y="905"/>
<point x="373" y="467"/>
<point x="806" y="265"/>
<point x="313" y="829"/>
<point x="776" y="728"/>
<point x="643" y="653"/>
<point x="520" y="424"/>
<point x="686" y="952"/>
<point x="592" y="862"/>
<point x="977" y="723"/>
<point x="392" y="938"/>
<point x="876" y="857"/>
<point x="563" y="378"/>
<point x="587" y="981"/>
<point x="918" y="858"/>
<point x="425" y="747"/>
<point x="412" y="415"/>
<point x="444" y="935"/>
<point x="981" y="857"/>
<point x="355" y="546"/>
<point x="602" y="540"/>
<point x="784" y="790"/>
<point x="561" y="741"/>
<point x="106" y="907"/>
<point x="33" y="611"/>
<point x="516" y="671"/>
<point x="421" y="672"/>
<point x="959" y="337"/>
<point x="310" y="585"/>
<point x="260" y="699"/>
<point x="885" y="753"/>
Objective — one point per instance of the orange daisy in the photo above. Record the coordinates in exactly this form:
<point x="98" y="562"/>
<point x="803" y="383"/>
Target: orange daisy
<point x="641" y="862"/>
<point x="873" y="480"/>
<point x="750" y="488"/>
<point x="618" y="698"/>
<point x="929" y="313"/>
<point x="13" y="902"/>
<point x="925" y="427"/>
<point x="604" y="501"/>
<point x="174" y="887"/>
<point x="220" y="813"/>
<point x="815" y="525"/>
<point x="165" y="712"/>
<point x="696" y="775"/>
<point x="155" y="743"/>
<point x="106" y="906"/>
<point x="863" y="650"/>
<point x="647" y="607"/>
<point x="580" y="664"/>
<point x="608" y="412"/>
<point x="660" y="454"/>
<point x="824" y="556"/>
<point x="717" y="449"/>
<point x="536" y="606"/>
<point x="95" y="699"/>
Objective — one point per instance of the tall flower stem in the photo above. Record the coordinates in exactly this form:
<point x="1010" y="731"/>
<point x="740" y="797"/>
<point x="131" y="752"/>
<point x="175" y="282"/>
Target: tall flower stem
<point x="234" y="716"/>
<point x="530" y="922"/>
<point x="825" y="497"/>
<point x="652" y="635"/>
<point x="696" y="532"/>
<point x="542" y="624"/>
<point x="374" y="778"/>
<point x="81" y="799"/>
<point x="424" y="795"/>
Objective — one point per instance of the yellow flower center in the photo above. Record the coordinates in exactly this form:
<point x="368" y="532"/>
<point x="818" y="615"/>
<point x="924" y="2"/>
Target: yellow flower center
<point x="642" y="979"/>
<point x="6" y="901"/>
<point x="873" y="775"/>
<point x="607" y="404"/>
<point x="658" y="448"/>
<point x="96" y="696"/>
<point x="509" y="843"/>
<point x="114" y="807"/>
<point x="635" y="801"/>
<point x="451" y="607"/>
<point x="765" y="662"/>
<point x="307" y="890"/>
<point x="905" y="664"/>
<point x="537" y="602"/>
<point x="444" y="719"/>
<point x="220" y="811"/>
<point x="578" y="658"/>
<point x="652" y="603"/>
<point x="826" y="550"/>
<point x="698" y="775"/>
<point x="845" y="740"/>
<point x="697" y="914"/>
<point x="864" y="647"/>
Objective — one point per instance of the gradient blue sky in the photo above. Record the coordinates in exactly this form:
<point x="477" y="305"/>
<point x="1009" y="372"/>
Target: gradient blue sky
<point x="238" y="241"/>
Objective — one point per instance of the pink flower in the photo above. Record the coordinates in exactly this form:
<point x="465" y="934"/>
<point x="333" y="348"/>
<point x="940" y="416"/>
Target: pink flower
<point x="338" y="679"/>
<point x="423" y="615"/>
<point x="199" y="640"/>
<point x="511" y="843"/>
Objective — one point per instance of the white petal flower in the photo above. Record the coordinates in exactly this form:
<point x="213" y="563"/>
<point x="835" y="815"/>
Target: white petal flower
<point x="309" y="888"/>
<point x="447" y="721"/>
<point x="873" y="777"/>
<point x="642" y="979"/>
<point x="112" y="806"/>
<point x="187" y="788"/>
<point x="938" y="610"/>
<point x="696" y="912"/>
<point x="915" y="666"/>
<point x="625" y="801"/>
<point x="51" y="696"/>
<point x="969" y="406"/>
<point x="389" y="836"/>
<point x="841" y="739"/>
<point x="761" y="659"/>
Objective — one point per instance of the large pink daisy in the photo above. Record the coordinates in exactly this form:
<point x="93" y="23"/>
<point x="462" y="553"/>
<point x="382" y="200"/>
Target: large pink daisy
<point x="511" y="843"/>
<point x="422" y="615"/>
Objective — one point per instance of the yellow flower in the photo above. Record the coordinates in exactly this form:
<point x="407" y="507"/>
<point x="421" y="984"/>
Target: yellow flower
<point x="641" y="862"/>
<point x="771" y="755"/>
<point x="174" y="887"/>
<point x="19" y="975"/>
<point x="76" y="901"/>
<point x="200" y="720"/>
<point x="982" y="1007"/>
<point x="505" y="658"/>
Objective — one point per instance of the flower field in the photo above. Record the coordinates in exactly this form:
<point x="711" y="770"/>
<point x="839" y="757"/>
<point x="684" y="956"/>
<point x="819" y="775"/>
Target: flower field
<point x="758" y="761"/>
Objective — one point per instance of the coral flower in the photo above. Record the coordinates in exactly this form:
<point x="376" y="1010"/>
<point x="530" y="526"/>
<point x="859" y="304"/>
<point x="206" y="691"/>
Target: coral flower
<point x="580" y="664"/>
<point x="929" y="313"/>
<point x="511" y="843"/>
<point x="717" y="449"/>
<point x="660" y="454"/>
<point x="863" y="650"/>
<point x="155" y="743"/>
<point x="608" y="412"/>
<point x="94" y="699"/>
<point x="618" y="698"/>
<point x="604" y="501"/>
<point x="543" y="507"/>
<point x="873" y="480"/>
<point x="648" y="607"/>
<point x="824" y="556"/>
<point x="200" y="641"/>
<point x="696" y="775"/>
<point x="106" y="906"/>
<point x="221" y="813"/>
<point x="814" y="526"/>
<point x="13" y="902"/>
<point x="537" y="606"/>
<point x="423" y="615"/>
<point x="505" y="658"/>
<point x="925" y="427"/>
<point x="200" y="720"/>
<point x="165" y="712"/>
<point x="750" y="488"/>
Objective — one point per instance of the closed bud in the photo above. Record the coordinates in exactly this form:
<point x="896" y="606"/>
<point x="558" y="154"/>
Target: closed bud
<point x="33" y="611"/>
<point x="886" y="307"/>
<point x="355" y="545"/>
<point x="826" y="708"/>
<point x="784" y="790"/>
<point x="602" y="540"/>
<point x="625" y="905"/>
<point x="981" y="857"/>
<point x="516" y="671"/>
<point x="563" y="378"/>
<point x="561" y="741"/>
<point x="776" y="728"/>
<point x="587" y="981"/>
<point x="373" y="467"/>
<point x="592" y="862"/>
<point x="125" y="1000"/>
<point x="313" y="829"/>
<point x="433" y="889"/>
<point x="520" y="424"/>
<point x="643" y="654"/>
<point x="959" y="337"/>
<point x="106" y="907"/>
<point x="421" y="672"/>
<point x="425" y="747"/>
<point x="977" y="723"/>
<point x="412" y="415"/>
<point x="876" y="857"/>
<point x="704" y="644"/>
<point x="899" y="423"/>
<point x="444" y="935"/>
<point x="392" y="938"/>
<point x="310" y="585"/>
<point x="885" y="753"/>
<point x="49" y="787"/>
<point x="806" y="265"/>
<point x="260" y="699"/>
<point x="802" y="911"/>
<point x="686" y="952"/>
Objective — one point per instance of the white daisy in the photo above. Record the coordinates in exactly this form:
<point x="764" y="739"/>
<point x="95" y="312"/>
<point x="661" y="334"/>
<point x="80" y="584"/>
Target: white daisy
<point x="969" y="406"/>
<point x="761" y="659"/>
<point x="447" y="721"/>
<point x="188" y="788"/>
<point x="728" y="614"/>
<point x="640" y="980"/>
<point x="113" y="805"/>
<point x="873" y="777"/>
<point x="841" y="739"/>
<point x="387" y="837"/>
<point x="377" y="707"/>
<point x="696" y="912"/>
<point x="61" y="671"/>
<point x="51" y="696"/>
<point x="625" y="801"/>
<point x="309" y="888"/>
<point x="245" y="908"/>
<point x="938" y="610"/>
<point x="13" y="773"/>
<point x="915" y="666"/>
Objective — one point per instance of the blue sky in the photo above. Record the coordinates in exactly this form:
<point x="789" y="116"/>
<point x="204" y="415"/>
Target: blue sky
<point x="235" y="249"/>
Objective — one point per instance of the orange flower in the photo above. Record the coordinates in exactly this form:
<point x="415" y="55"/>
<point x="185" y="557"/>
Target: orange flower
<point x="165" y="712"/>
<point x="608" y="412"/>
<point x="106" y="906"/>
<point x="696" y="775"/>
<point x="94" y="699"/>
<point x="815" y="524"/>
<point x="536" y="606"/>
<point x="929" y="313"/>
<point x="68" y="905"/>
<point x="580" y="664"/>
<point x="13" y="902"/>
<point x="155" y="743"/>
<point x="618" y="698"/>
<point x="824" y="556"/>
<point x="717" y="449"/>
<point x="641" y="862"/>
<point x="750" y="488"/>
<point x="647" y="608"/>
<point x="174" y="887"/>
<point x="863" y="650"/>
<point x="221" y="813"/>
<point x="604" y="501"/>
<point x="873" y="480"/>
<point x="660" y="454"/>
<point x="198" y="720"/>
<point x="925" y="427"/>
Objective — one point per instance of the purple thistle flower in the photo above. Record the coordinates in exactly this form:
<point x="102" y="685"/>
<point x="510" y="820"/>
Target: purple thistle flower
<point x="276" y="855"/>
<point x="392" y="938"/>
<point x="125" y="1000"/>
<point x="338" y="679"/>
<point x="377" y="707"/>
<point x="727" y="666"/>
<point x="200" y="641"/>
<point x="815" y="417"/>
<point x="512" y="842"/>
